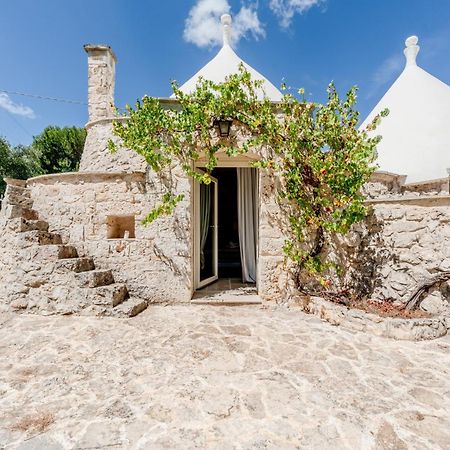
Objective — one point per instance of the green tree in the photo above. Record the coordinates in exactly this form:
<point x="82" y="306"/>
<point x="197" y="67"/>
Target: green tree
<point x="16" y="162"/>
<point x="316" y="151"/>
<point x="55" y="150"/>
<point x="59" y="149"/>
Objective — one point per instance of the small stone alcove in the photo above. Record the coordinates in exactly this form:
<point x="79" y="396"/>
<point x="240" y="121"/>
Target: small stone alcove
<point x="118" y="226"/>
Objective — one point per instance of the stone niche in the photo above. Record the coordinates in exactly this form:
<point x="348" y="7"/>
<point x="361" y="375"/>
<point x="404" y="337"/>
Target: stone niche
<point x="119" y="227"/>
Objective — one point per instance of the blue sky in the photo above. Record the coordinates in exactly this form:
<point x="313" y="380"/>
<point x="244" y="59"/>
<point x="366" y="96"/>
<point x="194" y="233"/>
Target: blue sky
<point x="307" y="43"/>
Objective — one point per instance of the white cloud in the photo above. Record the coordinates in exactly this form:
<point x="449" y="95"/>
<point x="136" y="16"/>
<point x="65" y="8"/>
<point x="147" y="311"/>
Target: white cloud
<point x="15" y="108"/>
<point x="203" y="27"/>
<point x="247" y="22"/>
<point x="386" y="72"/>
<point x="286" y="9"/>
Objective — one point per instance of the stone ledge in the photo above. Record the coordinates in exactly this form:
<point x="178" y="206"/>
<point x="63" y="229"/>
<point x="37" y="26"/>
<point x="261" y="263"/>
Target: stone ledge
<point x="15" y="182"/>
<point x="434" y="181"/>
<point x="432" y="200"/>
<point x="417" y="329"/>
<point x="382" y="175"/>
<point x="89" y="177"/>
<point x="105" y="121"/>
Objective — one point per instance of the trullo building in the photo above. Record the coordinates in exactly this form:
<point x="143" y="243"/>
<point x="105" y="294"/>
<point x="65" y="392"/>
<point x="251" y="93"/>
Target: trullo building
<point x="74" y="242"/>
<point x="416" y="136"/>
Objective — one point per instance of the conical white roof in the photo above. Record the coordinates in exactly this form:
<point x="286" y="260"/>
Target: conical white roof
<point x="416" y="134"/>
<point x="227" y="62"/>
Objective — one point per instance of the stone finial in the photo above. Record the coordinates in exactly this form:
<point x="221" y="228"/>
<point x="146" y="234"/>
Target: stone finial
<point x="101" y="80"/>
<point x="411" y="50"/>
<point x="226" y="28"/>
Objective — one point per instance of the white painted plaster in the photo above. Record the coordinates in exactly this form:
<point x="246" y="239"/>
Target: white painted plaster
<point x="227" y="62"/>
<point x="416" y="134"/>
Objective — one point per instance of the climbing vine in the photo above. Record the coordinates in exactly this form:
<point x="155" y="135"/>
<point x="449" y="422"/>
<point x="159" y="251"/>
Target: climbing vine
<point x="315" y="151"/>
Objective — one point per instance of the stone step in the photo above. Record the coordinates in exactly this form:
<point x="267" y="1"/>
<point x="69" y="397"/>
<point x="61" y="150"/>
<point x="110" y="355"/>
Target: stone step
<point x="20" y="191"/>
<point x="95" y="278"/>
<point x="30" y="214"/>
<point x="19" y="196"/>
<point x="130" y="308"/>
<point x="238" y="300"/>
<point x="21" y="225"/>
<point x="111" y="295"/>
<point x="42" y="237"/>
<point x="15" y="211"/>
<point x="52" y="252"/>
<point x="75" y="264"/>
<point x="15" y="182"/>
<point x="18" y="201"/>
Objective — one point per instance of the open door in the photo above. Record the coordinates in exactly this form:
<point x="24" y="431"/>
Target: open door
<point x="206" y="233"/>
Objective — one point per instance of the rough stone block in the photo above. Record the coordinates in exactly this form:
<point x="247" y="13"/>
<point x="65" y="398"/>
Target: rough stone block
<point x="18" y="200"/>
<point x="20" y="191"/>
<point x="21" y="225"/>
<point x="271" y="247"/>
<point x="76" y="233"/>
<point x="111" y="295"/>
<point x="95" y="278"/>
<point x="273" y="277"/>
<point x="41" y="237"/>
<point x="19" y="303"/>
<point x="75" y="264"/>
<point x="132" y="307"/>
<point x="434" y="303"/>
<point x="416" y="215"/>
<point x="15" y="211"/>
<point x="404" y="240"/>
<point x="403" y="226"/>
<point x="51" y="252"/>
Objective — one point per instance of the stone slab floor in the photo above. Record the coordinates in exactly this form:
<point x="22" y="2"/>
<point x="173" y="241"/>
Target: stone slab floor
<point x="214" y="377"/>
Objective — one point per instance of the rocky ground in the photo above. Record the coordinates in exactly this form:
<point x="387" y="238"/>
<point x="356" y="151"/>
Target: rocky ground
<point x="214" y="377"/>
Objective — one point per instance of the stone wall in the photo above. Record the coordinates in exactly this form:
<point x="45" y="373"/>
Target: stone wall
<point x="156" y="264"/>
<point x="98" y="158"/>
<point x="389" y="185"/>
<point x="409" y="240"/>
<point x="274" y="280"/>
<point x="404" y="240"/>
<point x="11" y="274"/>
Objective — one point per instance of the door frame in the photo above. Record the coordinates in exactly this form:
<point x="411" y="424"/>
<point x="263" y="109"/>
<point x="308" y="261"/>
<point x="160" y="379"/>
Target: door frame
<point x="198" y="284"/>
<point x="224" y="161"/>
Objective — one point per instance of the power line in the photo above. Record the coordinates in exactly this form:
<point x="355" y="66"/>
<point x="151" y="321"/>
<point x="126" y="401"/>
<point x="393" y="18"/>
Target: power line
<point x="43" y="97"/>
<point x="18" y="123"/>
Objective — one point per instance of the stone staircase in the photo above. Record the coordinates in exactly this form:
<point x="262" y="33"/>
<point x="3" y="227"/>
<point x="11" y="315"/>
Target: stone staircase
<point x="71" y="283"/>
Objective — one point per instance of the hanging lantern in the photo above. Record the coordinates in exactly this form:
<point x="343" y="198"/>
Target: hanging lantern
<point x="224" y="126"/>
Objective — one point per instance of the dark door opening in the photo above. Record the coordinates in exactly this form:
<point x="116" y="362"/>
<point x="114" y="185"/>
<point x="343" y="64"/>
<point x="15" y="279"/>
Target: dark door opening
<point x="229" y="256"/>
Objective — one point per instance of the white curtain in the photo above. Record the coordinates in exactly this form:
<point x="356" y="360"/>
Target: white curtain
<point x="205" y="208"/>
<point x="248" y="221"/>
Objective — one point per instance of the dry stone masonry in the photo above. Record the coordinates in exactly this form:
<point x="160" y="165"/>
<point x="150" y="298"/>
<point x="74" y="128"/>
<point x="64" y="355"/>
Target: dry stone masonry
<point x="75" y="243"/>
<point x="41" y="273"/>
<point x="408" y="240"/>
<point x="101" y="83"/>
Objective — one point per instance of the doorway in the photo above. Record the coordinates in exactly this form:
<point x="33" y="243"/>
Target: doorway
<point x="226" y="225"/>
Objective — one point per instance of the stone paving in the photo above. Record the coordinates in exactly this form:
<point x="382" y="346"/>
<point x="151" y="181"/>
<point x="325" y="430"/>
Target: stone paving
<point x="214" y="377"/>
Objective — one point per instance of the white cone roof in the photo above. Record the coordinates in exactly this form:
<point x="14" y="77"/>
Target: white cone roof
<point x="416" y="134"/>
<point x="227" y="62"/>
